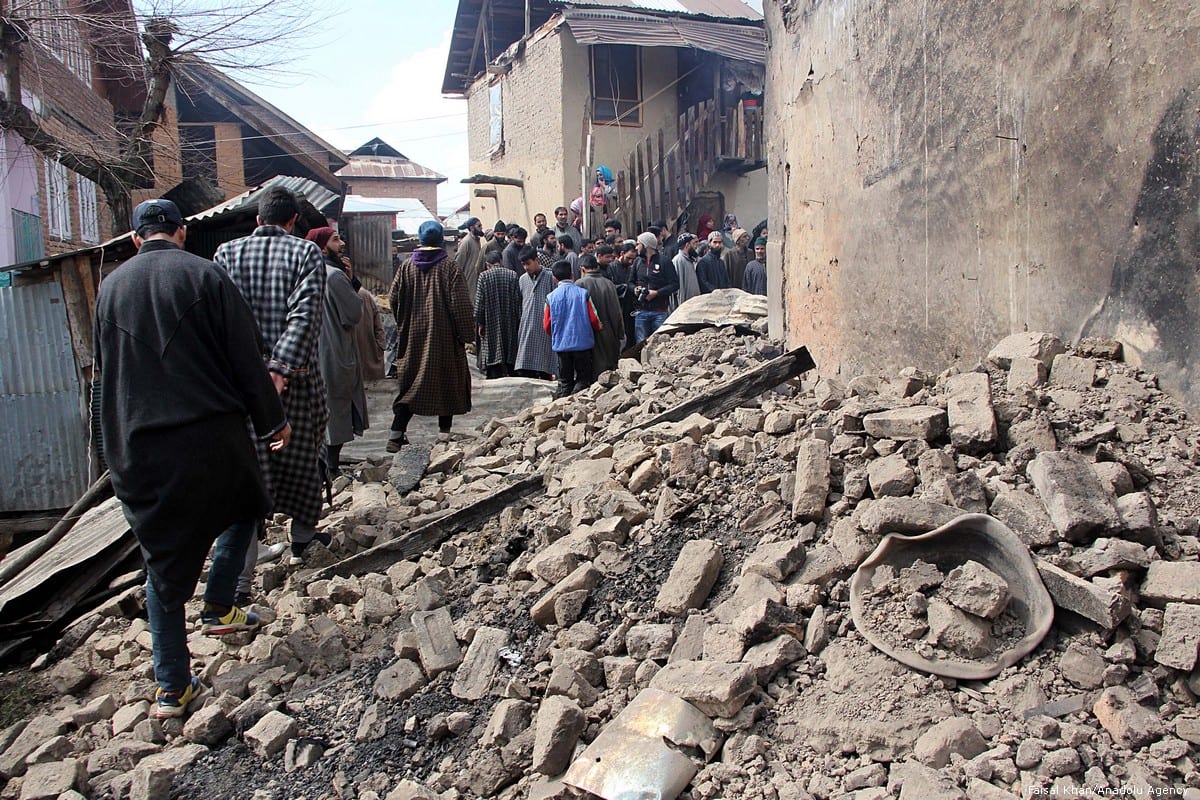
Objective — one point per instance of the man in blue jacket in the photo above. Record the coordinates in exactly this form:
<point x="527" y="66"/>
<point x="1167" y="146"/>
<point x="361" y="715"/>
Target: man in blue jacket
<point x="571" y="320"/>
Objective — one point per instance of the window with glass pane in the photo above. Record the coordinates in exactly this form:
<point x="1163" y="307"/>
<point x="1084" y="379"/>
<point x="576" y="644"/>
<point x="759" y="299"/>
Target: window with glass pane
<point x="58" y="200"/>
<point x="89" y="217"/>
<point x="616" y="84"/>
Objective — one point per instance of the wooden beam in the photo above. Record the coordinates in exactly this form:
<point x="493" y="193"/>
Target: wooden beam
<point x="496" y="180"/>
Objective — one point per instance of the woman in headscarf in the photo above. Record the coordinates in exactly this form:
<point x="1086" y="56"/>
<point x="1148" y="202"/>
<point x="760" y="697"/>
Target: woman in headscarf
<point x="704" y="227"/>
<point x="434" y="322"/>
<point x="728" y="226"/>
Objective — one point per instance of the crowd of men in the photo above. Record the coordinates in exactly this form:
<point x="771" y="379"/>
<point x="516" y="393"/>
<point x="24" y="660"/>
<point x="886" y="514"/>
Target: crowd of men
<point x="633" y="284"/>
<point x="229" y="387"/>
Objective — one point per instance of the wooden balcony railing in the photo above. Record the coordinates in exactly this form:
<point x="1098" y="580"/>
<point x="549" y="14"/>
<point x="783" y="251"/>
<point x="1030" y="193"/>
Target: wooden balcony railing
<point x="661" y="178"/>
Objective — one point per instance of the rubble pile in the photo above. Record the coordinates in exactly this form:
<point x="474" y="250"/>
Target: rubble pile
<point x="710" y="559"/>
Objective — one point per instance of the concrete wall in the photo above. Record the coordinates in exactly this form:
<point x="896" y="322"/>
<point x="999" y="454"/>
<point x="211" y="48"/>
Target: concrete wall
<point x="943" y="174"/>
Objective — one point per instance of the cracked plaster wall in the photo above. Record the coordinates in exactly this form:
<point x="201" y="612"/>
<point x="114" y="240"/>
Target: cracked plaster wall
<point x="943" y="174"/>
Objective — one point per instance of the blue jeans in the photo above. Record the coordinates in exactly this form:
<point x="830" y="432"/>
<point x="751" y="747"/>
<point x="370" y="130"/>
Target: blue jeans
<point x="646" y="323"/>
<point x="167" y="630"/>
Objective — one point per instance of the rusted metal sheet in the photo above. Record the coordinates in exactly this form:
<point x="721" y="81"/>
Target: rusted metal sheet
<point x="615" y="26"/>
<point x="369" y="240"/>
<point x="43" y="442"/>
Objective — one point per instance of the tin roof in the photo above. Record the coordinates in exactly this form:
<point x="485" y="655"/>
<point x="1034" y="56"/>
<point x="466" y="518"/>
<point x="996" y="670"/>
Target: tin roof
<point x="612" y="26"/>
<point x="321" y="198"/>
<point x="717" y="9"/>
<point x="383" y="167"/>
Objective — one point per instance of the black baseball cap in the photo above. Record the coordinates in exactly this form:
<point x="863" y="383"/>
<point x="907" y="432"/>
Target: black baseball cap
<point x="151" y="212"/>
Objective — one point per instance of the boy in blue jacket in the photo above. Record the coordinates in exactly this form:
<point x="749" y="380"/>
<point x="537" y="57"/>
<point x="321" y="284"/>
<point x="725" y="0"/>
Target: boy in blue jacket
<point x="570" y="320"/>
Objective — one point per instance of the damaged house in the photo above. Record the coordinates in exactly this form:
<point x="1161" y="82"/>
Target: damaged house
<point x="668" y="100"/>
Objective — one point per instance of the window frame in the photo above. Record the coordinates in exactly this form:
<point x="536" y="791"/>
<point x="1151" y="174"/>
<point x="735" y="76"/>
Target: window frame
<point x="618" y="119"/>
<point x="89" y="210"/>
<point x="58" y="199"/>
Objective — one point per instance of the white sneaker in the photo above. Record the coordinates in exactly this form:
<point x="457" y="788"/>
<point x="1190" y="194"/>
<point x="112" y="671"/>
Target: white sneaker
<point x="270" y="552"/>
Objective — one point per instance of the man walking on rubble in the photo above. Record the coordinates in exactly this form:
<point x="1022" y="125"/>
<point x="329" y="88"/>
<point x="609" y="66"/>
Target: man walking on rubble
<point x="497" y="317"/>
<point x="345" y="393"/>
<point x="604" y="299"/>
<point x="283" y="278"/>
<point x="180" y="363"/>
<point x="535" y="356"/>
<point x="434" y="323"/>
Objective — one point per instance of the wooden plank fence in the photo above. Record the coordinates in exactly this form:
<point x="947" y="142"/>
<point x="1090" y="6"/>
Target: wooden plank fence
<point x="660" y="179"/>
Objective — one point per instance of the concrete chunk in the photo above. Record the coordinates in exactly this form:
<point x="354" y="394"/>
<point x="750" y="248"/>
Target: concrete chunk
<point x="891" y="476"/>
<point x="768" y="658"/>
<point x="1077" y="503"/>
<point x="811" y="488"/>
<point x="39" y="729"/>
<point x="775" y="560"/>
<point x="1105" y="607"/>
<point x="905" y="424"/>
<point x="692" y="577"/>
<point x="473" y="678"/>
<point x="1025" y="372"/>
<point x="953" y="735"/>
<point x="1027" y="344"/>
<point x="1172" y="582"/>
<point x="969" y="412"/>
<point x="904" y="515"/>
<point x="48" y="781"/>
<point x="1180" y="636"/>
<point x="1073" y="372"/>
<point x="559" y="724"/>
<point x="1025" y="514"/>
<point x="271" y="734"/>
<point x="436" y="642"/>
<point x="585" y="577"/>
<point x="561" y="557"/>
<point x="1129" y="724"/>
<point x="399" y="681"/>
<point x="976" y="589"/>
<point x="963" y="633"/>
<point x="719" y="690"/>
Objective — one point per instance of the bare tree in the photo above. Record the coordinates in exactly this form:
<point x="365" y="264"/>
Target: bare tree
<point x="143" y="41"/>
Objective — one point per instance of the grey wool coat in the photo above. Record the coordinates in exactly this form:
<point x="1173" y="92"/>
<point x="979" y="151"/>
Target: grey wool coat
<point x="434" y="321"/>
<point x="180" y="363"/>
<point x="344" y="391"/>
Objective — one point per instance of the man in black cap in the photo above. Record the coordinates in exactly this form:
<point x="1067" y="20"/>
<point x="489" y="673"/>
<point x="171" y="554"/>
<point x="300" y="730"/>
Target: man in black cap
<point x="498" y="239"/>
<point x="179" y="357"/>
<point x="469" y="255"/>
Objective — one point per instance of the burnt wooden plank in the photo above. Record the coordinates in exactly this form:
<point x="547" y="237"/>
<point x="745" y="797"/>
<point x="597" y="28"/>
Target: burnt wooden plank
<point x="430" y="535"/>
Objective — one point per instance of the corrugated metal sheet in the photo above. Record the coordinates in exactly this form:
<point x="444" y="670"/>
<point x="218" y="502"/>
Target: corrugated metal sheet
<point x="718" y="9"/>
<point x="358" y="204"/>
<point x="613" y="26"/>
<point x="395" y="168"/>
<point x="320" y="197"/>
<point x="43" y="441"/>
<point x="369" y="238"/>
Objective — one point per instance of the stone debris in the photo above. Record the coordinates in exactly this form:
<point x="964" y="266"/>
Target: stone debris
<point x="708" y="557"/>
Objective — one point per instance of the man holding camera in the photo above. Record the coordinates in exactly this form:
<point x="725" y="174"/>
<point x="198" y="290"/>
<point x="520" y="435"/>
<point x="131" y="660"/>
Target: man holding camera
<point x="654" y="283"/>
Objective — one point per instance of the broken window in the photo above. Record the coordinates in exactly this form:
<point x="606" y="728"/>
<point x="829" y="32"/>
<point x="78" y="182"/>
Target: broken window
<point x="617" y="84"/>
<point x="57" y="28"/>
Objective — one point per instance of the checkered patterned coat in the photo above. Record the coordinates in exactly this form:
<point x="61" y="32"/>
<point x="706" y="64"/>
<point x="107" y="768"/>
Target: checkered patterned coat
<point x="283" y="279"/>
<point x="434" y="321"/>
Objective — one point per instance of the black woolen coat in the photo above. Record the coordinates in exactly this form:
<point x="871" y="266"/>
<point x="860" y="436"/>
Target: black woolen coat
<point x="181" y="368"/>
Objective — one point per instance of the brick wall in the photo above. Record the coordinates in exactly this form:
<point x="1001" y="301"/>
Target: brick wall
<point x="532" y="100"/>
<point x="78" y="114"/>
